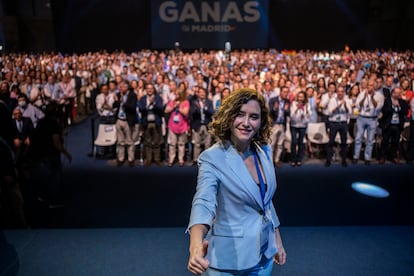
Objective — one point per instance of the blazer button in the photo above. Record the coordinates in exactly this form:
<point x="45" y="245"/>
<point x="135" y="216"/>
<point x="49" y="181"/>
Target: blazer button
<point x="261" y="212"/>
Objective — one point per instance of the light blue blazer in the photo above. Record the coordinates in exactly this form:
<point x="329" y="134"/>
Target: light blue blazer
<point x="228" y="200"/>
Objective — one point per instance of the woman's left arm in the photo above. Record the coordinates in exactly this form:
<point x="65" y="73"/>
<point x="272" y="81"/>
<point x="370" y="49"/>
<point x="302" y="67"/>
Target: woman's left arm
<point x="280" y="256"/>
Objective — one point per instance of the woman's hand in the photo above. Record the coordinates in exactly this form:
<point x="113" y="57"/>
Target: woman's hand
<point x="197" y="263"/>
<point x="280" y="256"/>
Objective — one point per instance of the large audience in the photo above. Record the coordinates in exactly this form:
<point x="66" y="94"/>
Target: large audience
<point x="83" y="83"/>
<point x="348" y="105"/>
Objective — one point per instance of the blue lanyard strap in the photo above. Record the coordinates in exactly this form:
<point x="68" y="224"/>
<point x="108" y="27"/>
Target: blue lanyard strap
<point x="259" y="175"/>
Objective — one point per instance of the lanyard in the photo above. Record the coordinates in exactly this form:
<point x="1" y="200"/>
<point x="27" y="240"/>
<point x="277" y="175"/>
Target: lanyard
<point x="259" y="175"/>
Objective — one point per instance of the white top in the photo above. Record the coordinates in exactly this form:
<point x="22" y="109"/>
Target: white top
<point x="338" y="110"/>
<point x="367" y="109"/>
<point x="300" y="116"/>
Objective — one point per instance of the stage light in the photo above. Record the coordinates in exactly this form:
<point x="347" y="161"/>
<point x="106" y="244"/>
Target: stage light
<point x="370" y="190"/>
<point x="177" y="47"/>
<point x="227" y="47"/>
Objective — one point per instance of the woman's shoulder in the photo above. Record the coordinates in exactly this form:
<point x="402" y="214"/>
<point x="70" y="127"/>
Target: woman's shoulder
<point x="265" y="148"/>
<point x="216" y="151"/>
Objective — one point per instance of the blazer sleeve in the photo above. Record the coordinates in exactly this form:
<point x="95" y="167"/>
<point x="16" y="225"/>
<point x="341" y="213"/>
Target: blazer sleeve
<point x="205" y="199"/>
<point x="275" y="218"/>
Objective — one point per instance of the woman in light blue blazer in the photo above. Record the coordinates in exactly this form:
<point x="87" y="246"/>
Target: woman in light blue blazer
<point x="233" y="224"/>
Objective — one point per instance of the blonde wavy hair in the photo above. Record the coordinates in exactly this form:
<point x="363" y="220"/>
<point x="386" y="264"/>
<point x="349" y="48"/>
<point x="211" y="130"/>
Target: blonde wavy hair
<point x="220" y="127"/>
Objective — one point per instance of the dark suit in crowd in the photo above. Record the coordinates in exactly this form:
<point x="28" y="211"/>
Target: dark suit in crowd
<point x="391" y="123"/>
<point x="152" y="110"/>
<point x="126" y="125"/>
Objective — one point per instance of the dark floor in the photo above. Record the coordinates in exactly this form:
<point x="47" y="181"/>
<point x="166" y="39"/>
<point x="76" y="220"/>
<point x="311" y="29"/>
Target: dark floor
<point x="313" y="251"/>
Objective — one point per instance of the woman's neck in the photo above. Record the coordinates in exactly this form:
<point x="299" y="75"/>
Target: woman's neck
<point x="245" y="153"/>
<point x="241" y="147"/>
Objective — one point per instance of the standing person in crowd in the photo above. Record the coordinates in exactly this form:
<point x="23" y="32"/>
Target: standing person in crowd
<point x="201" y="112"/>
<point x="178" y="126"/>
<point x="46" y="147"/>
<point x="268" y="91"/>
<point x="29" y="110"/>
<point x="311" y="95"/>
<point x="140" y="89"/>
<point x="126" y="124"/>
<point x="279" y="111"/>
<point x="312" y="100"/>
<point x="9" y="103"/>
<point x="388" y="86"/>
<point x="29" y="89"/>
<point x="11" y="200"/>
<point x="216" y="96"/>
<point x="338" y="111"/>
<point x="24" y="128"/>
<point x="69" y="94"/>
<point x="379" y="85"/>
<point x="406" y="94"/>
<point x="106" y="105"/>
<point x="233" y="202"/>
<point x="320" y="85"/>
<point x="354" y="109"/>
<point x="52" y="90"/>
<point x="410" y="148"/>
<point x="113" y="88"/>
<point x="152" y="111"/>
<point x="324" y="103"/>
<point x="370" y="104"/>
<point x="222" y="96"/>
<point x="392" y="121"/>
<point x="300" y="114"/>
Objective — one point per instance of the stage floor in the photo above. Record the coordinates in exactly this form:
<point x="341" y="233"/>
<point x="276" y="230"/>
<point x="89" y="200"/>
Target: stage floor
<point x="368" y="250"/>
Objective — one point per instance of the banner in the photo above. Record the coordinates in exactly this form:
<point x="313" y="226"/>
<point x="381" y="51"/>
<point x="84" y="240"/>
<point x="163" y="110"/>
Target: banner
<point x="209" y="24"/>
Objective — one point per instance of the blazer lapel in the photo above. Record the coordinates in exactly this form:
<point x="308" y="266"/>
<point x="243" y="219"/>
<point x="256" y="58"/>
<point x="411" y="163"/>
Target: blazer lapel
<point x="239" y="169"/>
<point x="269" y="173"/>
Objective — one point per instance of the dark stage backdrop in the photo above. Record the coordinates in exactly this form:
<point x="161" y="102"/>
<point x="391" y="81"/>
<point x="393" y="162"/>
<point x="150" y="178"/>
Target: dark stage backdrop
<point x="210" y="24"/>
<point x="91" y="25"/>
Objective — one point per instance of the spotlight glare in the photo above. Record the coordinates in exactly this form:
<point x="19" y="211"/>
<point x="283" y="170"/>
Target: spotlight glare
<point x="370" y="190"/>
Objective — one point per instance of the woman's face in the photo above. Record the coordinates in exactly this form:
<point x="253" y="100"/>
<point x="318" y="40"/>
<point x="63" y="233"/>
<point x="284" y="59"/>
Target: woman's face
<point x="246" y="124"/>
<point x="321" y="82"/>
<point x="301" y="97"/>
<point x="225" y="93"/>
<point x="355" y="90"/>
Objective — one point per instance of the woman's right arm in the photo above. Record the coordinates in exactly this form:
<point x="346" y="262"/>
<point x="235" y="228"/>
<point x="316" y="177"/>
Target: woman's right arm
<point x="202" y="214"/>
<point x="197" y="263"/>
<point x="197" y="234"/>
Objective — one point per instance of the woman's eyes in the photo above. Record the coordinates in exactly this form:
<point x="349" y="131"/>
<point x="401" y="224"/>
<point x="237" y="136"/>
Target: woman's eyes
<point x="252" y="116"/>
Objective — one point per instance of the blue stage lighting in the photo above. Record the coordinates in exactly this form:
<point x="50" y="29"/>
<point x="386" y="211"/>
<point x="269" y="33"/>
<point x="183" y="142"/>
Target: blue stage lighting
<point x="370" y="189"/>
